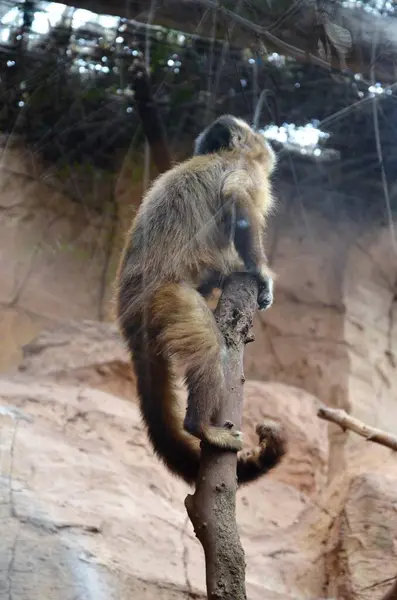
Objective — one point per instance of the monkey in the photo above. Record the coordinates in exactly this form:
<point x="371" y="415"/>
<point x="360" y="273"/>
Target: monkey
<point x="198" y="223"/>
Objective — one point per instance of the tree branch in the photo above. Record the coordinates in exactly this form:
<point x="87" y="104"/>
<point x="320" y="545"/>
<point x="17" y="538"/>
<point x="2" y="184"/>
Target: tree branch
<point x="287" y="27"/>
<point x="149" y="114"/>
<point x="341" y="418"/>
<point x="212" y="507"/>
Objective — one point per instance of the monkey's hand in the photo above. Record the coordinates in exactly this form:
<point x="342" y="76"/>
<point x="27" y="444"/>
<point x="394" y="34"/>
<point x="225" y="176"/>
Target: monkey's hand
<point x="265" y="287"/>
<point x="265" y="295"/>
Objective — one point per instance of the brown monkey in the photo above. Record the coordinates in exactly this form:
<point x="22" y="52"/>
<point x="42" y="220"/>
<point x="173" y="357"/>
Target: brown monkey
<point x="200" y="222"/>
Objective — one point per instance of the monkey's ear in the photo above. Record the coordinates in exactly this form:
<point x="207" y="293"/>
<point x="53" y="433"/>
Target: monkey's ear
<point x="216" y="137"/>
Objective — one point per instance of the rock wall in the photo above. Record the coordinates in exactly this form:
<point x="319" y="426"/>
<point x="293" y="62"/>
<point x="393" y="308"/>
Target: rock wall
<point x="332" y="330"/>
<point x="82" y="495"/>
<point x="88" y="512"/>
<point x="58" y="251"/>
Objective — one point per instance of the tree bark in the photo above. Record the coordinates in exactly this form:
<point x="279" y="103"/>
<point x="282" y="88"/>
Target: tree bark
<point x="212" y="508"/>
<point x="287" y="27"/>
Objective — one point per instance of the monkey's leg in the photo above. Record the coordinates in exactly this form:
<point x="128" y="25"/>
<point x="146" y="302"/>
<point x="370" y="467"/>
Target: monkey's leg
<point x="209" y="388"/>
<point x="189" y="334"/>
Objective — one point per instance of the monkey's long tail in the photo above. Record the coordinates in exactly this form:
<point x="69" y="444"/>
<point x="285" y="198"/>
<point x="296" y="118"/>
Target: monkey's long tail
<point x="180" y="324"/>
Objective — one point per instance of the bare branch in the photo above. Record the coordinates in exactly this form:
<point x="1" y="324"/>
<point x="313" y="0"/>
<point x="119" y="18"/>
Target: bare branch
<point x="149" y="114"/>
<point x="290" y="27"/>
<point x="341" y="418"/>
<point x="212" y="507"/>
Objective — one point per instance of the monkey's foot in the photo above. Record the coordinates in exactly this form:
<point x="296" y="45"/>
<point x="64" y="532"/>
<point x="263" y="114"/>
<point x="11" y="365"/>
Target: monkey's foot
<point x="227" y="438"/>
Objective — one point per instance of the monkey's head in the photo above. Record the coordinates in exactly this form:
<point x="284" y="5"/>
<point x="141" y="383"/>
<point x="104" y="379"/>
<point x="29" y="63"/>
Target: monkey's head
<point x="231" y="134"/>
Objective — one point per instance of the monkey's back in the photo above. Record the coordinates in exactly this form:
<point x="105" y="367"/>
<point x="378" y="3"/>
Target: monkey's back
<point x="177" y="220"/>
<point x="175" y="234"/>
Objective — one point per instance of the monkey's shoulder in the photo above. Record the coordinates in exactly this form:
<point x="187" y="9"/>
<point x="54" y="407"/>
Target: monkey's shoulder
<point x="199" y="168"/>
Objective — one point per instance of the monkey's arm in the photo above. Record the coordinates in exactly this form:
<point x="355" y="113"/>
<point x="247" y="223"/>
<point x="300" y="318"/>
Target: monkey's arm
<point x="248" y="243"/>
<point x="246" y="227"/>
<point x="248" y="238"/>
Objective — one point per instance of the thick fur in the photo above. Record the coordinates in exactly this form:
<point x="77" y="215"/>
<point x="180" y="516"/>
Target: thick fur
<point x="200" y="222"/>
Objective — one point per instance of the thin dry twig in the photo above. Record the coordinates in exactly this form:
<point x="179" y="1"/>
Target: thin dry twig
<point x="371" y="434"/>
<point x="212" y="507"/>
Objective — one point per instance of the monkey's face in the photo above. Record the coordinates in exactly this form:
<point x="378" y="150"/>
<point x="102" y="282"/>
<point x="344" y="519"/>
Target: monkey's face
<point x="228" y="133"/>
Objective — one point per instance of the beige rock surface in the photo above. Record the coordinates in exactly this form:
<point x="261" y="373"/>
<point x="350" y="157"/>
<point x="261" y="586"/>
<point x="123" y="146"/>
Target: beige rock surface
<point x="59" y="246"/>
<point x="330" y="337"/>
<point x="83" y="494"/>
<point x="365" y="537"/>
<point x="88" y="512"/>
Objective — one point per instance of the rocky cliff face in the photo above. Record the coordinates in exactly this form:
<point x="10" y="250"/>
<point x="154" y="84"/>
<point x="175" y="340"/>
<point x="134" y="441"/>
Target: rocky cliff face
<point x="88" y="512"/>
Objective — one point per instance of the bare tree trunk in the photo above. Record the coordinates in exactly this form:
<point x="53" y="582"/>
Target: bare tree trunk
<point x="212" y="508"/>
